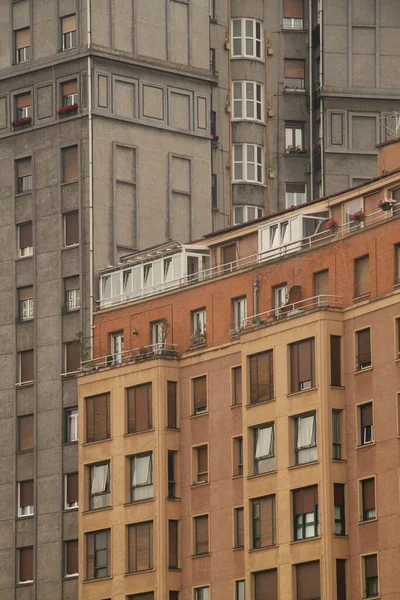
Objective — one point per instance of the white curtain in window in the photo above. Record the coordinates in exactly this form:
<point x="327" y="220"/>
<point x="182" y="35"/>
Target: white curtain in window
<point x="99" y="479"/>
<point x="306" y="432"/>
<point x="265" y="442"/>
<point x="141" y="471"/>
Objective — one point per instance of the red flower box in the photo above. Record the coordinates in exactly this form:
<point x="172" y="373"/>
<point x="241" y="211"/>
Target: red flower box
<point x="66" y="110"/>
<point x="21" y="122"/>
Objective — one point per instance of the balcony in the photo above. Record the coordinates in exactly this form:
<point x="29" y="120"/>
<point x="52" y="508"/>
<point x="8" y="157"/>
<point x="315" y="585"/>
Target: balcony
<point x="135" y="355"/>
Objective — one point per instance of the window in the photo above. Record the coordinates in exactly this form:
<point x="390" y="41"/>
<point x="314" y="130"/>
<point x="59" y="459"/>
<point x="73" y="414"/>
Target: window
<point x="239" y="313"/>
<point x="68" y="32"/>
<point x="140" y="547"/>
<point x="25" y="303"/>
<point x="340" y="579"/>
<point x="97" y="418"/>
<point x="294" y="137"/>
<point x="246" y="212"/>
<point x="71" y="491"/>
<point x="366" y="426"/>
<point x="71" y="425"/>
<point x="23" y="169"/>
<point x="71" y="228"/>
<point x="350" y="209"/>
<point x="117" y="348"/>
<point x="228" y="256"/>
<point x="141" y="477"/>
<point x="281" y="296"/>
<point x="71" y="558"/>
<point x="321" y="283"/>
<point x="305" y="511"/>
<point x="336" y="371"/>
<point x="294" y="75"/>
<point x="248" y="163"/>
<point x="25" y="499"/>
<point x="308" y="581"/>
<point x="98" y="554"/>
<point x="236" y="386"/>
<point x="246" y="38"/>
<point x="371" y="582"/>
<point x="238" y="456"/>
<point x="361" y="276"/>
<point x="201" y="545"/>
<point x="173" y="595"/>
<point x="338" y="498"/>
<point x="337" y="434"/>
<point x="22" y="45"/>
<point x="23" y="106"/>
<point x="306" y="438"/>
<point x="201" y="464"/>
<point x="172" y="455"/>
<point x="99" y="486"/>
<point x="239" y="527"/>
<point x="172" y="404"/>
<point x="69" y="158"/>
<point x="25" y="366"/>
<point x="199" y="393"/>
<point x="202" y="593"/>
<point x="263" y="522"/>
<point x="363" y="343"/>
<point x="199" y="322"/>
<point x="72" y="296"/>
<point x="266" y="584"/>
<point x="139" y="402"/>
<point x="397" y="333"/>
<point x="397" y="264"/>
<point x="25" y="240"/>
<point x="264" y="449"/>
<point x="302" y="366"/>
<point x="26" y="435"/>
<point x="72" y="356"/>
<point x="214" y="191"/>
<point x="293" y="14"/>
<point x="173" y="556"/>
<point x="240" y="590"/>
<point x="158" y="336"/>
<point x="295" y="194"/>
<point x="247" y="100"/>
<point x="69" y="92"/>
<point x="261" y="377"/>
<point x="213" y="61"/>
<point x="368" y="508"/>
<point x="25" y="565"/>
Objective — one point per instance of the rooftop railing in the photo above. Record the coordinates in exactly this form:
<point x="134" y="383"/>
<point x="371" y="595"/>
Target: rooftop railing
<point x="305" y="243"/>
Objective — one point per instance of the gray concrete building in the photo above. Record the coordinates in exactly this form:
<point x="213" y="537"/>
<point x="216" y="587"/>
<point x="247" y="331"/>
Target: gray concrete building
<point x="128" y="123"/>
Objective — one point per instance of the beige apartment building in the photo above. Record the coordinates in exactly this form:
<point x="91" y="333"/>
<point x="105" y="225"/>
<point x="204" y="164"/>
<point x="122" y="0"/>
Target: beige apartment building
<point x="243" y="442"/>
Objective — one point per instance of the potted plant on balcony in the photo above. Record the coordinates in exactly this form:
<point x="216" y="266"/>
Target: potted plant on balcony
<point x="198" y="338"/>
<point x="386" y="204"/>
<point x="65" y="111"/>
<point x="332" y="225"/>
<point x="22" y="122"/>
<point x="358" y="217"/>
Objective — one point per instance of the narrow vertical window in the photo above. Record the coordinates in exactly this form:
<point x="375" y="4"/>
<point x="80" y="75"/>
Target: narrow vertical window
<point x="263" y="522"/>
<point x="236" y="386"/>
<point x="239" y="527"/>
<point x="261" y="377"/>
<point x="266" y="584"/>
<point x="26" y="435"/>
<point x="201" y="464"/>
<point x="302" y="365"/>
<point x="25" y="499"/>
<point x="141" y="477"/>
<point x="336" y="369"/>
<point x="117" y="346"/>
<point x="98" y="554"/>
<point x="368" y="509"/>
<point x="22" y="45"/>
<point x="25" y="240"/>
<point x="238" y="456"/>
<point x="337" y="434"/>
<point x="68" y="32"/>
<point x="361" y="276"/>
<point x="338" y="497"/>
<point x="308" y="582"/>
<point x="172" y="456"/>
<point x="72" y="294"/>
<point x="71" y="228"/>
<point x="305" y="511"/>
<point x="371" y="582"/>
<point x="25" y="565"/>
<point x="72" y="357"/>
<point x="366" y="424"/>
<point x="294" y="74"/>
<point x="24" y="175"/>
<point x="71" y="558"/>
<point x="201" y="542"/>
<point x="199" y="393"/>
<point x="173" y="557"/>
<point x="100" y="486"/>
<point x="71" y="491"/>
<point x="25" y="366"/>
<point x="363" y="349"/>
<point x="172" y="388"/>
<point x="139" y="402"/>
<point x="98" y="418"/>
<point x="239" y="314"/>
<point x="25" y="303"/>
<point x="69" y="93"/>
<point x="70" y="169"/>
<point x="340" y="579"/>
<point x="306" y="439"/>
<point x="140" y="547"/>
<point x="264" y="449"/>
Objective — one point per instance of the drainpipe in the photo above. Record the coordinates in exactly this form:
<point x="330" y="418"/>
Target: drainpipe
<point x="321" y="82"/>
<point x="311" y="97"/>
<point x="90" y="123"/>
<point x="256" y="291"/>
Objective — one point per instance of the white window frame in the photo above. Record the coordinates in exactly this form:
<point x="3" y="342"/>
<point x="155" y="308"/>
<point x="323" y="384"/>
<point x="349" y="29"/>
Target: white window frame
<point x="296" y="141"/>
<point x="256" y="39"/>
<point x="24" y="112"/>
<point x="72" y="299"/>
<point x="308" y="453"/>
<point x="281" y="296"/>
<point x="239" y="313"/>
<point x="143" y="489"/>
<point x="24" y="184"/>
<point x="26" y="309"/>
<point x="247" y="163"/>
<point x="293" y="23"/>
<point x="22" y="55"/>
<point x="246" y="210"/>
<point x="199" y="595"/>
<point x="70" y="99"/>
<point x="297" y="196"/>
<point x="240" y="589"/>
<point x="158" y="334"/>
<point x="199" y="321"/>
<point x="66" y="506"/>
<point x="69" y="40"/>
<point x="247" y="98"/>
<point x="30" y="509"/>
<point x="72" y="425"/>
<point x="117" y="347"/>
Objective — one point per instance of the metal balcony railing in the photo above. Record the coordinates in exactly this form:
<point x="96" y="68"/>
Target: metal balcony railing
<point x="159" y="350"/>
<point x="296" y="309"/>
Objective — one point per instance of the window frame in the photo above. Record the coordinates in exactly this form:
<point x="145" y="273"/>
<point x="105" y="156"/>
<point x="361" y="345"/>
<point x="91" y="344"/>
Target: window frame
<point x="68" y="416"/>
<point x="199" y="321"/>
<point x="69" y="99"/>
<point x="25" y="52"/>
<point x="96" y="551"/>
<point x="337" y="441"/>
<point x="134" y="407"/>
<point x="303" y="524"/>
<point x="26" y="306"/>
<point x="76" y="503"/>
<point x="299" y="197"/>
<point x="198" y="595"/>
<point x="21" y="180"/>
<point x="270" y="457"/>
<point x="256" y="521"/>
<point x="150" y="480"/>
<point x="107" y="436"/>
<point x="238" y="513"/>
<point x="65" y="549"/>
<point x="290" y="87"/>
<point x="26" y="251"/>
<point x="367" y="592"/>
<point x="339" y="515"/>
<point x="314" y="439"/>
<point x="200" y="477"/>
<point x="70" y="35"/>
<point x="256" y="38"/>
<point x="255" y="103"/>
<point x="195" y="534"/>
<point x="365" y="433"/>
<point x="358" y="293"/>
<point x="300" y="383"/>
<point x="72" y="298"/>
<point x="66" y="217"/>
<point x="25" y="581"/>
<point x="198" y="410"/>
<point x="243" y="165"/>
<point x="150" y="546"/>
<point x="31" y="512"/>
<point x="367" y="514"/>
<point x="245" y="209"/>
<point x="105" y="495"/>
<point x="239" y="313"/>
<point x="362" y="365"/>
<point x="297" y="133"/>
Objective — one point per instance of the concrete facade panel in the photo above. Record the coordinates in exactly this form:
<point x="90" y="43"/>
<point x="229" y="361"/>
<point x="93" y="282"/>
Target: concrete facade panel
<point x="25" y="466"/>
